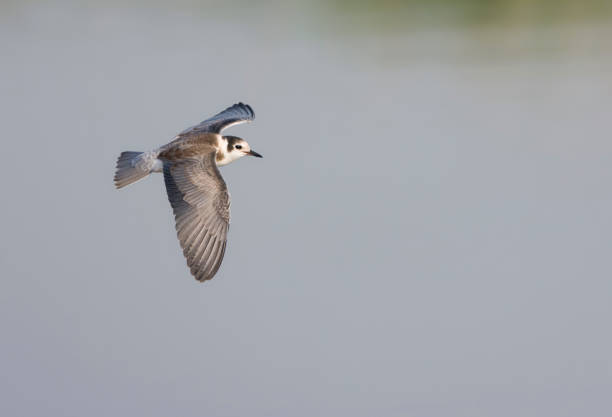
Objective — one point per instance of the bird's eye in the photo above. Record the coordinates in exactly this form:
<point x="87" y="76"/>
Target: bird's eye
<point x="238" y="146"/>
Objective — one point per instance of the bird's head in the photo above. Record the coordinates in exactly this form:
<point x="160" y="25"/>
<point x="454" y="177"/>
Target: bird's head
<point x="238" y="147"/>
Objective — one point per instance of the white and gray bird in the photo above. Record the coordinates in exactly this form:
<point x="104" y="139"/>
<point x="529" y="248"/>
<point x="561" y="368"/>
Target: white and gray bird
<point x="197" y="193"/>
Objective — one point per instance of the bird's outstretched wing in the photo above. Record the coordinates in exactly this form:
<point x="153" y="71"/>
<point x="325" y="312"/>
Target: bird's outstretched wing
<point x="200" y="201"/>
<point x="236" y="114"/>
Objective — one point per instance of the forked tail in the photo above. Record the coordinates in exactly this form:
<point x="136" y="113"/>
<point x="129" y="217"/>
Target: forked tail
<point x="133" y="166"/>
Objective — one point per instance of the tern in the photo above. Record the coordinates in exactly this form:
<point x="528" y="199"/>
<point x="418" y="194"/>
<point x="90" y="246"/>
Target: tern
<point x="196" y="190"/>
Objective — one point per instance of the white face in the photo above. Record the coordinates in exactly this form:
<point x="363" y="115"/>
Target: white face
<point x="240" y="149"/>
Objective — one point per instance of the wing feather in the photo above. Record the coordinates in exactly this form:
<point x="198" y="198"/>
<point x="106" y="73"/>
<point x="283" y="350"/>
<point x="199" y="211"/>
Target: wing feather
<point x="233" y="115"/>
<point x="200" y="201"/>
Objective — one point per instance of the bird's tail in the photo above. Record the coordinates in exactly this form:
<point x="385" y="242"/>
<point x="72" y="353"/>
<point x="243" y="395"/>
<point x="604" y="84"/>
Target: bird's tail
<point x="133" y="166"/>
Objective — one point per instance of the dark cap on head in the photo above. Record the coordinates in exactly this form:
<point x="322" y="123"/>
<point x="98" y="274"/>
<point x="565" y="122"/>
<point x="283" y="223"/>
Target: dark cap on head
<point x="231" y="142"/>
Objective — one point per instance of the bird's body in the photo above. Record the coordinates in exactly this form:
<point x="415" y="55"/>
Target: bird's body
<point x="197" y="192"/>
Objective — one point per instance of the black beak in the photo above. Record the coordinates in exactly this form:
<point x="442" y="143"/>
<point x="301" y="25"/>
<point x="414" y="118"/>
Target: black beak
<point x="253" y="153"/>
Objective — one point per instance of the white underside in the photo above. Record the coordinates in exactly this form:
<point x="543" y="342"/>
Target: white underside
<point x="148" y="162"/>
<point x="158" y="166"/>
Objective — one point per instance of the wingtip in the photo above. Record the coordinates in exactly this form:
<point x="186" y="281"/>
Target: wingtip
<point x="247" y="108"/>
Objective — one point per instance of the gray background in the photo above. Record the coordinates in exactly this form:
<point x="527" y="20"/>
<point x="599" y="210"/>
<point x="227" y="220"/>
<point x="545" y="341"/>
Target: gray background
<point x="428" y="234"/>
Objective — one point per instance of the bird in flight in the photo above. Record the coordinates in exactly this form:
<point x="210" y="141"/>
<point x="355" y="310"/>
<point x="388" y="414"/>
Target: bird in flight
<point x="197" y="193"/>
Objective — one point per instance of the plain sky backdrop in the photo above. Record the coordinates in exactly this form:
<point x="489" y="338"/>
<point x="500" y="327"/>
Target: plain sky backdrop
<point x="428" y="234"/>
